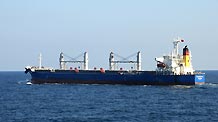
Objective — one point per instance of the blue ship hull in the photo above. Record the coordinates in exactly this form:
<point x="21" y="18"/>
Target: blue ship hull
<point x="113" y="77"/>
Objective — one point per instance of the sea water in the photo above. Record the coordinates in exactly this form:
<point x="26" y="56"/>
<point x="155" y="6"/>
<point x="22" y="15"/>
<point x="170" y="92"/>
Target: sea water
<point x="22" y="102"/>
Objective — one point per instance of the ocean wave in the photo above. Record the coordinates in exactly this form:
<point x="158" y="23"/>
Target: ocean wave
<point x="23" y="81"/>
<point x="211" y="84"/>
<point x="182" y="86"/>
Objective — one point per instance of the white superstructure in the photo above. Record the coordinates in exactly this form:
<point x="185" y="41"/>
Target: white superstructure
<point x="175" y="63"/>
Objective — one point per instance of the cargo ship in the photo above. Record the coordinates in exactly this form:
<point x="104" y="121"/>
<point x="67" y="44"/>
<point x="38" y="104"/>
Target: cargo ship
<point x="172" y="69"/>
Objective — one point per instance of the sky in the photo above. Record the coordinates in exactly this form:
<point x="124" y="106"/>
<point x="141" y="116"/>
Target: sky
<point x="30" y="27"/>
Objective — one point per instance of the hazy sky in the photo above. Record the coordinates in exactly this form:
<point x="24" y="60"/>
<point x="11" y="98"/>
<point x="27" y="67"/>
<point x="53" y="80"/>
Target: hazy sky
<point x="28" y="27"/>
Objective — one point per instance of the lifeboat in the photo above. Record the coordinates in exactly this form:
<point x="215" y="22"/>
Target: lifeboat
<point x="161" y="65"/>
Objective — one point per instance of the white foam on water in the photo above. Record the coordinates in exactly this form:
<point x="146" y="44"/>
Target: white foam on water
<point x="182" y="86"/>
<point x="29" y="83"/>
<point x="208" y="85"/>
<point x="22" y="81"/>
<point x="211" y="84"/>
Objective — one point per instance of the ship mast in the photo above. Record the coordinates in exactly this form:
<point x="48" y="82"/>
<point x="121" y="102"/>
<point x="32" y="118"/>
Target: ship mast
<point x="63" y="62"/>
<point x="113" y="62"/>
<point x="176" y="46"/>
<point x="139" y="61"/>
<point x="86" y="61"/>
<point x="40" y="60"/>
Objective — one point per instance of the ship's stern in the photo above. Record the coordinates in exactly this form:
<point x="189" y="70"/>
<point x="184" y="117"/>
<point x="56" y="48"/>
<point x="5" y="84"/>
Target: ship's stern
<point x="200" y="79"/>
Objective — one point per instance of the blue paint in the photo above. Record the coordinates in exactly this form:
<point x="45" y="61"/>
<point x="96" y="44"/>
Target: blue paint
<point x="114" y="77"/>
